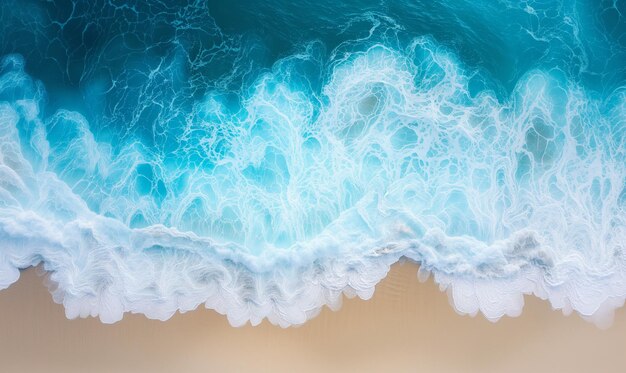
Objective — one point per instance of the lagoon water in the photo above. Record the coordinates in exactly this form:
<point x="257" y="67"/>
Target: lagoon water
<point x="262" y="159"/>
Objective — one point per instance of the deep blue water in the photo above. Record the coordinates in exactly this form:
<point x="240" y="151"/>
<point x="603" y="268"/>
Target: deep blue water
<point x="263" y="158"/>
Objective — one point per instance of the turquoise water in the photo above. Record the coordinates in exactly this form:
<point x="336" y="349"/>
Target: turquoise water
<point x="263" y="159"/>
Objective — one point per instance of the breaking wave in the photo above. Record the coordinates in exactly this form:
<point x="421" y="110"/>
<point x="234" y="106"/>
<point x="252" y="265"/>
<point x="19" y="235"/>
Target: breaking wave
<point x="153" y="176"/>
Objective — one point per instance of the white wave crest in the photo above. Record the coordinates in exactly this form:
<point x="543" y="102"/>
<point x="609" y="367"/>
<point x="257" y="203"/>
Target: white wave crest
<point x="290" y="200"/>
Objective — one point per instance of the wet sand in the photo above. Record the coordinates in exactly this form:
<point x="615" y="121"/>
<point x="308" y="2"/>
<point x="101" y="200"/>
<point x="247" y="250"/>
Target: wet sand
<point x="407" y="327"/>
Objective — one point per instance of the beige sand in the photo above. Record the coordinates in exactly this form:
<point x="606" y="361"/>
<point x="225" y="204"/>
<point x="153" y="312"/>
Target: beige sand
<point x="406" y="327"/>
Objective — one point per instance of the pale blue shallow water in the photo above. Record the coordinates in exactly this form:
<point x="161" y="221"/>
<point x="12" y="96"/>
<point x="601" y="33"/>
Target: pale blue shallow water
<point x="264" y="158"/>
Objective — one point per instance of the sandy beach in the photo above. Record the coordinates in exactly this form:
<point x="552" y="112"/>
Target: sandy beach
<point x="407" y="327"/>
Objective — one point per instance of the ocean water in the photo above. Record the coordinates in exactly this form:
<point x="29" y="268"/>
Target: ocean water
<point x="265" y="158"/>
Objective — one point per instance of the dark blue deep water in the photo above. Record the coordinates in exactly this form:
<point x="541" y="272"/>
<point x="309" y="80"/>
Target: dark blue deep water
<point x="264" y="158"/>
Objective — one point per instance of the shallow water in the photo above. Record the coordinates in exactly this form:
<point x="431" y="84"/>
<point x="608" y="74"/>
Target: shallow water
<point x="263" y="159"/>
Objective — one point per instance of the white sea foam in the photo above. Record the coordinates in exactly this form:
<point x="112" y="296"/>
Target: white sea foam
<point x="291" y="200"/>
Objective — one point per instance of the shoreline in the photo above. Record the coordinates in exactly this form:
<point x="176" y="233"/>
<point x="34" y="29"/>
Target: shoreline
<point x="406" y="326"/>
